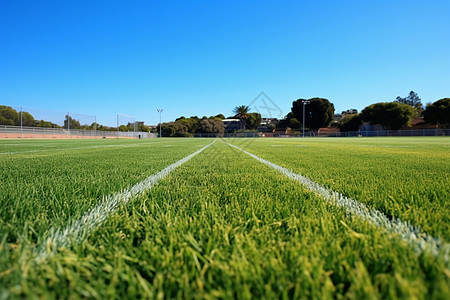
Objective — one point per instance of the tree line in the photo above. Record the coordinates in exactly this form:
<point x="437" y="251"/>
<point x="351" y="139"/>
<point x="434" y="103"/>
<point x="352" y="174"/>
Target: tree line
<point x="187" y="127"/>
<point x="318" y="113"/>
<point x="393" y="115"/>
<point x="399" y="113"/>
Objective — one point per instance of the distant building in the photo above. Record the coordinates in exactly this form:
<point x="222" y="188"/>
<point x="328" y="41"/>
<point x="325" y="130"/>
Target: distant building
<point x="130" y="124"/>
<point x="337" y="117"/>
<point x="366" y="126"/>
<point x="328" y="131"/>
<point x="419" y="123"/>
<point x="232" y="125"/>
<point x="267" y="124"/>
<point x="268" y="121"/>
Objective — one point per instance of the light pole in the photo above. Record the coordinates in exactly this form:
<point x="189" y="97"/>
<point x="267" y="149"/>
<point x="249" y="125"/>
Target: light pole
<point x="117" y="125"/>
<point x="160" y="110"/>
<point x="21" y="122"/>
<point x="303" y="125"/>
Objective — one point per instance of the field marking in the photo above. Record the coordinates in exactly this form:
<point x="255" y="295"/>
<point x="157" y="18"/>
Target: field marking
<point x="80" y="148"/>
<point x="80" y="229"/>
<point x="419" y="240"/>
<point x="60" y="149"/>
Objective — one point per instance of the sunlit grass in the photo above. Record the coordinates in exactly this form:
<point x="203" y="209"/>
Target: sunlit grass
<point x="407" y="178"/>
<point x="222" y="225"/>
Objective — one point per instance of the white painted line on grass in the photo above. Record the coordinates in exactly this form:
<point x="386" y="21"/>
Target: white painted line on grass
<point x="80" y="229"/>
<point x="62" y="149"/>
<point x="80" y="148"/>
<point x="419" y="240"/>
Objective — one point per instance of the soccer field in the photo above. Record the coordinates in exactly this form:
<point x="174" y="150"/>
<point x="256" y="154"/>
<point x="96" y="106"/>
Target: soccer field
<point x="225" y="218"/>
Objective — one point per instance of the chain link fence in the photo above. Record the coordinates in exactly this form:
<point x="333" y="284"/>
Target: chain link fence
<point x="61" y="133"/>
<point x="23" y="122"/>
<point x="409" y="132"/>
<point x="378" y="133"/>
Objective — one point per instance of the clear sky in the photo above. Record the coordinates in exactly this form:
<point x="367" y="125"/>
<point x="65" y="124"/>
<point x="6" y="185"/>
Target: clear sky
<point x="206" y="57"/>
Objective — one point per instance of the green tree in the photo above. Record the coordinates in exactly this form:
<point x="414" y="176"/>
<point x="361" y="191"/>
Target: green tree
<point x="5" y="121"/>
<point x="27" y="119"/>
<point x="412" y="100"/>
<point x="390" y="115"/>
<point x="106" y="128"/>
<point x="173" y="129"/>
<point x="9" y="116"/>
<point x="438" y="113"/>
<point x="211" y="126"/>
<point x="350" y="122"/>
<point x="318" y="112"/>
<point x="74" y="124"/>
<point x="295" y="124"/>
<point x="44" y="124"/>
<point x="284" y="123"/>
<point x="94" y="126"/>
<point x="190" y="123"/>
<point x="143" y="128"/>
<point x="241" y="112"/>
<point x="47" y="124"/>
<point x="219" y="116"/>
<point x="253" y="121"/>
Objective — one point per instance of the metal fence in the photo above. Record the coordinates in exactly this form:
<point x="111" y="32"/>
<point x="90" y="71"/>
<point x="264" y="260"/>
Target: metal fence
<point x="409" y="132"/>
<point x="41" y="132"/>
<point x="228" y="135"/>
<point x="379" y="133"/>
<point x="376" y="133"/>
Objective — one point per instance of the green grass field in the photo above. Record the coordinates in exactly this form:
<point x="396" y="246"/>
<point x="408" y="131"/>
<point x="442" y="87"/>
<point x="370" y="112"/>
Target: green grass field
<point x="222" y="225"/>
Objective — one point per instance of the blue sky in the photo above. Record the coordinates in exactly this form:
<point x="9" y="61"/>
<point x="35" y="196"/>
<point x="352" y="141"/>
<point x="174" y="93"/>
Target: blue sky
<point x="206" y="57"/>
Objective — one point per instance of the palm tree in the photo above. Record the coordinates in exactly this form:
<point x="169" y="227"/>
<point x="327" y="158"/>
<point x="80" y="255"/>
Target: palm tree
<point x="242" y="112"/>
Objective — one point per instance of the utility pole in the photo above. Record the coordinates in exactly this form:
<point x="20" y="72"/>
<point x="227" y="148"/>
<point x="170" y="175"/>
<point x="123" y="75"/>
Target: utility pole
<point x="117" y="125"/>
<point x="21" y="122"/>
<point x="160" y="110"/>
<point x="304" y="105"/>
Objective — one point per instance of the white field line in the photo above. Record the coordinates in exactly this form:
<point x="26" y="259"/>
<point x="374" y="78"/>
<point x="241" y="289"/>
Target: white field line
<point x="420" y="241"/>
<point x="61" y="149"/>
<point x="80" y="148"/>
<point x="80" y="229"/>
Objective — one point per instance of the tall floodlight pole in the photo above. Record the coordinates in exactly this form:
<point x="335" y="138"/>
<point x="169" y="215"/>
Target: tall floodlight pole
<point x="117" y="125"/>
<point x="21" y="122"/>
<point x="160" y="110"/>
<point x="304" y="105"/>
